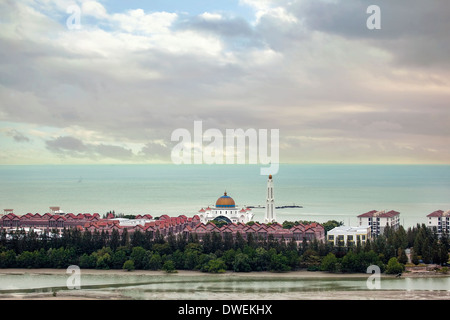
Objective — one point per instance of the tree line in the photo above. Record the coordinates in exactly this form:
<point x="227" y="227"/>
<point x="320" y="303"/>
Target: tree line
<point x="143" y="250"/>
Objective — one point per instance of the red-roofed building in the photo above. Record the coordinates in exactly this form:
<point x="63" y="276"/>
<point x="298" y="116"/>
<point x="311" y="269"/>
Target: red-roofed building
<point x="439" y="221"/>
<point x="260" y="231"/>
<point x="378" y="220"/>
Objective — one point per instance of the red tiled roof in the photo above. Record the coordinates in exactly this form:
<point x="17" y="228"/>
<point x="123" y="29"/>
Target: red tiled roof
<point x="368" y="214"/>
<point x="437" y="213"/>
<point x="389" y="214"/>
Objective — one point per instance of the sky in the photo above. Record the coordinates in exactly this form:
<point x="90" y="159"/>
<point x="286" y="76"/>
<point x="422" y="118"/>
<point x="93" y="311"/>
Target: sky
<point x="85" y="82"/>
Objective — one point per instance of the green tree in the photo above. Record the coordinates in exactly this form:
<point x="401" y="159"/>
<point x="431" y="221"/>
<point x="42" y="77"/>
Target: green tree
<point x="192" y="256"/>
<point x="414" y="257"/>
<point x="169" y="266"/>
<point x="426" y="251"/>
<point x="118" y="258"/>
<point x="114" y="243"/>
<point x="394" y="267"/>
<point x="261" y="260"/>
<point x="140" y="256"/>
<point x="402" y="258"/>
<point x="103" y="261"/>
<point x="331" y="224"/>
<point x="350" y="262"/>
<point x="241" y="263"/>
<point x="128" y="265"/>
<point x="329" y="263"/>
<point x="26" y="260"/>
<point x="88" y="261"/>
<point x="228" y="257"/>
<point x="155" y="262"/>
<point x="178" y="258"/>
<point x="278" y="263"/>
<point x="8" y="259"/>
<point x="215" y="266"/>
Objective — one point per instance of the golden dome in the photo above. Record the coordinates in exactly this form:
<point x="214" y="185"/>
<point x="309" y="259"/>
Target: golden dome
<point x="225" y="202"/>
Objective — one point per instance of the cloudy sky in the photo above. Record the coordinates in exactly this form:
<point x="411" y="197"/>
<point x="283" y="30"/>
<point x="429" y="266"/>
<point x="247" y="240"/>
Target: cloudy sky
<point x="112" y="86"/>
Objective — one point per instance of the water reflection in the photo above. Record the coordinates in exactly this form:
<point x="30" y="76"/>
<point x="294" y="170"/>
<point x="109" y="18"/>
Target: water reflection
<point x="202" y="287"/>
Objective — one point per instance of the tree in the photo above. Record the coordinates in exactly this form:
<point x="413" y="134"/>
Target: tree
<point x="115" y="240"/>
<point x="394" y="267"/>
<point x="88" y="261"/>
<point x="128" y="265"/>
<point x="241" y="263"/>
<point x="331" y="224"/>
<point x="124" y="239"/>
<point x="426" y="251"/>
<point x="140" y="257"/>
<point x="329" y="263"/>
<point x="215" y="266"/>
<point x="169" y="266"/>
<point x="118" y="258"/>
<point x="261" y="260"/>
<point x="402" y="258"/>
<point x="103" y="261"/>
<point x="8" y="259"/>
<point x="26" y="260"/>
<point x="414" y="257"/>
<point x="443" y="253"/>
<point x="155" y="262"/>
<point x="278" y="263"/>
<point x="350" y="262"/>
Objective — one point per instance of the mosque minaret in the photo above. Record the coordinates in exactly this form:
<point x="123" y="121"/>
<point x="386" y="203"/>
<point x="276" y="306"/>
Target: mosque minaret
<point x="270" y="204"/>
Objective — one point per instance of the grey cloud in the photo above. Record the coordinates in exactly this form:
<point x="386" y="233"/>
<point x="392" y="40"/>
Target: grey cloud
<point x="415" y="31"/>
<point x="156" y="151"/>
<point x="228" y="27"/>
<point x="45" y="83"/>
<point x="71" y="146"/>
<point x="63" y="144"/>
<point x="111" y="151"/>
<point x="18" y="136"/>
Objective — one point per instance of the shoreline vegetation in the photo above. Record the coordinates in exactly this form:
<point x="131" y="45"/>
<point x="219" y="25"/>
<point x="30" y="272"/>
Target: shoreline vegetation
<point x="392" y="252"/>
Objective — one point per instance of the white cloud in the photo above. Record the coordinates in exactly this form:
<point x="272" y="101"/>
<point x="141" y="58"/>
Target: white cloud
<point x="94" y="9"/>
<point x="137" y="21"/>
<point x="125" y="80"/>
<point x="211" y="16"/>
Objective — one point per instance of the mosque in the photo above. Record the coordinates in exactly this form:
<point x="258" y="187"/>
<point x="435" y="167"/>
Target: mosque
<point x="226" y="209"/>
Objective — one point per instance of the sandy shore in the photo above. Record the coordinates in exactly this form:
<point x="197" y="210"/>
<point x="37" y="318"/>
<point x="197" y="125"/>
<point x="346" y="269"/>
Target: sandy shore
<point x="297" y="295"/>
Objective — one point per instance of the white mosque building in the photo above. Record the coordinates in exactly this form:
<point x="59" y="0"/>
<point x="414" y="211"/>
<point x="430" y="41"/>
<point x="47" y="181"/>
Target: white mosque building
<point x="226" y="210"/>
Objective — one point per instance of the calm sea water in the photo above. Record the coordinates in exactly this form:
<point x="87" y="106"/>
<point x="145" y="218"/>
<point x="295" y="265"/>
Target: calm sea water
<point x="339" y="192"/>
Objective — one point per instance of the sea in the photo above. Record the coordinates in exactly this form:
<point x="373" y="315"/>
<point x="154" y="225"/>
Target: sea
<point x="319" y="192"/>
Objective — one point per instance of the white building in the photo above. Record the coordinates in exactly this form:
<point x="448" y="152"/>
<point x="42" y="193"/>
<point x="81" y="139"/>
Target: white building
<point x="56" y="210"/>
<point x="439" y="220"/>
<point x="378" y="220"/>
<point x="270" y="203"/>
<point x="346" y="236"/>
<point x="227" y="210"/>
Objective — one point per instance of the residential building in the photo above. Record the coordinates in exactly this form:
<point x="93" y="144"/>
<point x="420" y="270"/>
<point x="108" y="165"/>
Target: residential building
<point x="263" y="231"/>
<point x="378" y="220"/>
<point x="347" y="236"/>
<point x="439" y="221"/>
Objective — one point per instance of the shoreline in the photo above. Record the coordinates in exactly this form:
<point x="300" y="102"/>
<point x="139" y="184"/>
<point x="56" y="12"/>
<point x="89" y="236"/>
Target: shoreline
<point x="93" y="293"/>
<point x="264" y="274"/>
